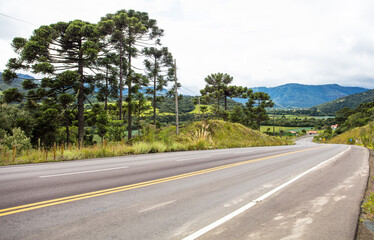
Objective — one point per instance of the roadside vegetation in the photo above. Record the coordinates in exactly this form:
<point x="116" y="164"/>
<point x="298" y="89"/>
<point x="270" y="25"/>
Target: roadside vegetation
<point x="354" y="126"/>
<point x="201" y="135"/>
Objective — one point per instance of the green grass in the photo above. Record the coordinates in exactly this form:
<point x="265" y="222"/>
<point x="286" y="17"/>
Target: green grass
<point x="210" y="134"/>
<point x="300" y="129"/>
<point x="368" y="206"/>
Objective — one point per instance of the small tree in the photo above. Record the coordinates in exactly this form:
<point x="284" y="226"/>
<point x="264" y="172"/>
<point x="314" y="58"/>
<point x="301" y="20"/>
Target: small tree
<point x="203" y="109"/>
<point x="256" y="108"/>
<point x="17" y="139"/>
<point x="140" y="106"/>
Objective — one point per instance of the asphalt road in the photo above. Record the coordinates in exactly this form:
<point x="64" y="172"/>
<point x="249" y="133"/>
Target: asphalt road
<point x="304" y="191"/>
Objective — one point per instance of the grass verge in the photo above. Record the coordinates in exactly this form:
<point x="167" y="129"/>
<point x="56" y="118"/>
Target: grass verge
<point x="210" y="134"/>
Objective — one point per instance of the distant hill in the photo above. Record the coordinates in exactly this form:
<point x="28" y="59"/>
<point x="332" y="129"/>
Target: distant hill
<point x="350" y="101"/>
<point x="17" y="83"/>
<point x="295" y="95"/>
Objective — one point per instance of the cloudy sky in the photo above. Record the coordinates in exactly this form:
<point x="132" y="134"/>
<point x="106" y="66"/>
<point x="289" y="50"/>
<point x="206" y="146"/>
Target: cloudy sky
<point x="258" y="42"/>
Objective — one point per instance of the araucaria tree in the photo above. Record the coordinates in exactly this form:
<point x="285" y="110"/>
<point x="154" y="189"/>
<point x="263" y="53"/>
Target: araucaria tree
<point x="160" y="70"/>
<point x="107" y="83"/>
<point x="215" y="86"/>
<point x="256" y="108"/>
<point x="218" y="87"/>
<point x="51" y="50"/>
<point x="129" y="31"/>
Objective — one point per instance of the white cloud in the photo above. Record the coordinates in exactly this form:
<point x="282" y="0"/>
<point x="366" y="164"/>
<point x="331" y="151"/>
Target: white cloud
<point x="259" y="43"/>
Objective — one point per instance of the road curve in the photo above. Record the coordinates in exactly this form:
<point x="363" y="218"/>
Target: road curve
<point x="304" y="191"/>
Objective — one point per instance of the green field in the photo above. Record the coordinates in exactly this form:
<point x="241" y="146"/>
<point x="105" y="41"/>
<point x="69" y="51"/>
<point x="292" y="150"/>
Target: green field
<point x="299" y="116"/>
<point x="196" y="110"/>
<point x="286" y="129"/>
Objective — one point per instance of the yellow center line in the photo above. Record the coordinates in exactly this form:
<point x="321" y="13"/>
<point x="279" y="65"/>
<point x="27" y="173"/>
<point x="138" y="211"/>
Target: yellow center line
<point x="52" y="202"/>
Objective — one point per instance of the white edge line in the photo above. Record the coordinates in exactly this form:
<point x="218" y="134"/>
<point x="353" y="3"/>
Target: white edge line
<point x="72" y="173"/>
<point x="254" y="202"/>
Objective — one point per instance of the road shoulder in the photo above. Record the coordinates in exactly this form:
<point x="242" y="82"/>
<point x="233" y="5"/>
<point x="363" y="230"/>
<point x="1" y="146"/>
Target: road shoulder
<point x="364" y="233"/>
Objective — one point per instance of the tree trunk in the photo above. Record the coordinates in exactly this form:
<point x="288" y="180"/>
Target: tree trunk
<point x="218" y="105"/>
<point x="139" y="121"/>
<point x="225" y="113"/>
<point x="120" y="81"/>
<point x="67" y="127"/>
<point x="154" y="100"/>
<point x="225" y="103"/>
<point x="106" y="90"/>
<point x="67" y="134"/>
<point x="129" y="116"/>
<point x="80" y="101"/>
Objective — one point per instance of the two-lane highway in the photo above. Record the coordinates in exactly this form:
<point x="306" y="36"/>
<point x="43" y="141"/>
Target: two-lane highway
<point x="215" y="194"/>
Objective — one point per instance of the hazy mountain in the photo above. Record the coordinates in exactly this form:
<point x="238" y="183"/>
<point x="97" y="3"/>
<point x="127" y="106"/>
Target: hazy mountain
<point x="16" y="83"/>
<point x="350" y="101"/>
<point x="295" y="95"/>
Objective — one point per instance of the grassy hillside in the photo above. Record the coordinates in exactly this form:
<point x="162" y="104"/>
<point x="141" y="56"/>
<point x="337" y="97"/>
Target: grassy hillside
<point x="220" y="134"/>
<point x="211" y="134"/>
<point x="361" y="136"/>
<point x="350" y="101"/>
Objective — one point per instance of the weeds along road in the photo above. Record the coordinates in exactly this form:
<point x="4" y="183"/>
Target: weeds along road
<point x="305" y="191"/>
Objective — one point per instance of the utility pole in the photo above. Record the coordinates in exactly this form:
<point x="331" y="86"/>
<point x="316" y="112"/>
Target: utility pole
<point x="273" y="125"/>
<point x="176" y="97"/>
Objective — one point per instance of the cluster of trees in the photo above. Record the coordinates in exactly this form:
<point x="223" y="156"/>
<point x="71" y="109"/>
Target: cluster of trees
<point x="252" y="114"/>
<point x="317" y="123"/>
<point x="348" y="118"/>
<point x="306" y="112"/>
<point x="76" y="59"/>
<point x="111" y="61"/>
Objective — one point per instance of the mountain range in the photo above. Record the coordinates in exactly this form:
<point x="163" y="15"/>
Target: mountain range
<point x="350" y="101"/>
<point x="294" y="95"/>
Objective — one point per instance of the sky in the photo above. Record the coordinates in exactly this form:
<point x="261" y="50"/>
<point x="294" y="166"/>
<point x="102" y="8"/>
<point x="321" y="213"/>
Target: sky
<point x="258" y="42"/>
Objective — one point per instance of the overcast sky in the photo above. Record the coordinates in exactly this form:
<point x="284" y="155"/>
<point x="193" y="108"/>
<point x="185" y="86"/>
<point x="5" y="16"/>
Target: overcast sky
<point x="258" y="42"/>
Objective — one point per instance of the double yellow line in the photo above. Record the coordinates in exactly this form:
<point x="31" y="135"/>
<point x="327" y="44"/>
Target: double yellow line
<point x="57" y="201"/>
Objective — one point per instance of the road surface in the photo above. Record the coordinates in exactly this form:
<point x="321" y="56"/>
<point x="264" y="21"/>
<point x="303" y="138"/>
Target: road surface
<point x="304" y="191"/>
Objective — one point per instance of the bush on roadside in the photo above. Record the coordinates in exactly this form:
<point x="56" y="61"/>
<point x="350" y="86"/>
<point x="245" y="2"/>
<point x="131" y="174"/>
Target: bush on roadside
<point x="18" y="139"/>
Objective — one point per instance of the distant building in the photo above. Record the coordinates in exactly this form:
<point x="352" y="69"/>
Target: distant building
<point x="312" y="132"/>
<point x="334" y="127"/>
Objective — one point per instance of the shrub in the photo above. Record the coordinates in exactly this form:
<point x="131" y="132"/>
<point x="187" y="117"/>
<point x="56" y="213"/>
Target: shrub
<point x="18" y="139"/>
